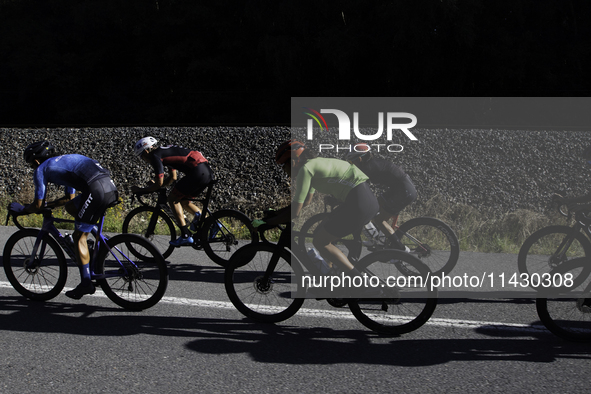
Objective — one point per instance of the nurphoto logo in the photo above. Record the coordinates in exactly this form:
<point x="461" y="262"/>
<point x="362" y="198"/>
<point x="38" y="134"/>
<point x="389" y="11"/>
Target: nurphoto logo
<point x="392" y="121"/>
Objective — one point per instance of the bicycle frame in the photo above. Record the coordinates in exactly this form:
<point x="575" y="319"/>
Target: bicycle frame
<point x="48" y="227"/>
<point x="162" y="204"/>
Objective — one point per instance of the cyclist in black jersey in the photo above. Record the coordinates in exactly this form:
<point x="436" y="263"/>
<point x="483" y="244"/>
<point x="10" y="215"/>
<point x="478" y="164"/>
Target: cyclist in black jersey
<point x="76" y="172"/>
<point x="198" y="174"/>
<point x="401" y="191"/>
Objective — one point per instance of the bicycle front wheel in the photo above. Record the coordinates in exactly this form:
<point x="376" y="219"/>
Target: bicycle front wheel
<point x="267" y="297"/>
<point x="131" y="281"/>
<point x="432" y="241"/>
<point x="408" y="300"/>
<point x="224" y="232"/>
<point x="39" y="277"/>
<point x="550" y="247"/>
<point x="152" y="224"/>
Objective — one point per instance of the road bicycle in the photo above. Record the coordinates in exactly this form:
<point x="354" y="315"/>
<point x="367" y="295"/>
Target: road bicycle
<point x="218" y="233"/>
<point x="429" y="239"/>
<point x="263" y="282"/>
<point x="548" y="259"/>
<point x="35" y="265"/>
<point x="552" y="246"/>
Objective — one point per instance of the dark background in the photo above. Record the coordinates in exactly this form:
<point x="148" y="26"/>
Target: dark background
<point x="140" y="62"/>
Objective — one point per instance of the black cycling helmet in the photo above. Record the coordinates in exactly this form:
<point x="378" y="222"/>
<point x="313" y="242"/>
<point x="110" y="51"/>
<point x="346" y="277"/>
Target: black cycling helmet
<point x="39" y="150"/>
<point x="587" y="154"/>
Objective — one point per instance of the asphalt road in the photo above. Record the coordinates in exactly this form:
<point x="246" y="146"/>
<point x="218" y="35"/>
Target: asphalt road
<point x="195" y="341"/>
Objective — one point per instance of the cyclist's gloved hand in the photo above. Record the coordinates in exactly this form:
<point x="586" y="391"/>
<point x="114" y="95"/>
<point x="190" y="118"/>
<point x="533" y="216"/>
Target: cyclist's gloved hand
<point x="16" y="207"/>
<point x="257" y="222"/>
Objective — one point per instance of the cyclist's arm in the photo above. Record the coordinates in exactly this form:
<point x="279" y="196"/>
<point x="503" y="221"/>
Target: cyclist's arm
<point x="152" y="186"/>
<point x="172" y="176"/>
<point x="34" y="207"/>
<point x="59" y="202"/>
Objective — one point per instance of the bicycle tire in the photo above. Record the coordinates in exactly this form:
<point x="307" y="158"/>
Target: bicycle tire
<point x="147" y="277"/>
<point x="432" y="241"/>
<point x="306" y="234"/>
<point x="48" y="278"/>
<point x="568" y="318"/>
<point x="409" y="307"/>
<point x="138" y="221"/>
<point x="220" y="242"/>
<point x="534" y="257"/>
<point x="269" y="302"/>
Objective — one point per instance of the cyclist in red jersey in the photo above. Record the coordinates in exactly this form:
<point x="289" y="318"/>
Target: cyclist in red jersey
<point x="191" y="163"/>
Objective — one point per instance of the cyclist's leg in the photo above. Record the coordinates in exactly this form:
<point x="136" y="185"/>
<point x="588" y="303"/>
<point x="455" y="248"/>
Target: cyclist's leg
<point x="191" y="185"/>
<point x="88" y="208"/>
<point x="323" y="242"/>
<point x="358" y="209"/>
<point x="392" y="202"/>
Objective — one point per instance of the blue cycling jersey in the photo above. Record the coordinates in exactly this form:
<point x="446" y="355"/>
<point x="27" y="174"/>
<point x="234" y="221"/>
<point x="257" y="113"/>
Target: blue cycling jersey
<point x="74" y="171"/>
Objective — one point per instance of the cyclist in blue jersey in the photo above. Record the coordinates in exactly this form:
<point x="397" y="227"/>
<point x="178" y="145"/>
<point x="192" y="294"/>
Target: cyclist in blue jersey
<point x="76" y="173"/>
<point x="198" y="174"/>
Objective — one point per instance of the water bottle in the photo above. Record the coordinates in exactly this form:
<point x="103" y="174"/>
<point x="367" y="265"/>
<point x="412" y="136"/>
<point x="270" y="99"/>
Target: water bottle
<point x="319" y="261"/>
<point x="371" y="233"/>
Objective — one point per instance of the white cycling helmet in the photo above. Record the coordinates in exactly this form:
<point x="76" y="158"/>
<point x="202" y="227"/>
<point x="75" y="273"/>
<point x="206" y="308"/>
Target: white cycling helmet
<point x="143" y="144"/>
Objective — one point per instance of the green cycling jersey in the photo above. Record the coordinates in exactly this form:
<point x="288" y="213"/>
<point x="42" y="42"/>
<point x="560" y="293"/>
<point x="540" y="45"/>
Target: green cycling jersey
<point x="329" y="176"/>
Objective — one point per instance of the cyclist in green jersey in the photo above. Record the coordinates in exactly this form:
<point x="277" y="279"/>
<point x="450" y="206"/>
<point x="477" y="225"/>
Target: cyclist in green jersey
<point x="338" y="178"/>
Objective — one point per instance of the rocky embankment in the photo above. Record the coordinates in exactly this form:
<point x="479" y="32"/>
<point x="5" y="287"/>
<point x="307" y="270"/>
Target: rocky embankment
<point x="499" y="170"/>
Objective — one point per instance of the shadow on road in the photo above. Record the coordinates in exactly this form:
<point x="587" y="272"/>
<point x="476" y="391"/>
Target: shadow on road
<point x="282" y="343"/>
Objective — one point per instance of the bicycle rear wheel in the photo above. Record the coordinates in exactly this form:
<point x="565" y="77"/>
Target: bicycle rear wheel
<point x="40" y="277"/>
<point x="432" y="241"/>
<point x="268" y="299"/>
<point x="550" y="247"/>
<point x="408" y="301"/>
<point x="152" y="224"/>
<point x="568" y="318"/>
<point x="224" y="232"/>
<point x="132" y="281"/>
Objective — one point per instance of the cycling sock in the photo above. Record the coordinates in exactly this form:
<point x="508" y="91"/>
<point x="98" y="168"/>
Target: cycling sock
<point x="185" y="231"/>
<point x="85" y="274"/>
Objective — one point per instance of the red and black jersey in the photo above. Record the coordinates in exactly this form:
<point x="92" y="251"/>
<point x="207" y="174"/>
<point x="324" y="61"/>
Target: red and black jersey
<point x="181" y="159"/>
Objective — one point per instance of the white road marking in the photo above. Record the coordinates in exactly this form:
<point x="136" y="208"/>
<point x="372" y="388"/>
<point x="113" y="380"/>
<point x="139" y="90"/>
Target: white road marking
<point x="341" y="314"/>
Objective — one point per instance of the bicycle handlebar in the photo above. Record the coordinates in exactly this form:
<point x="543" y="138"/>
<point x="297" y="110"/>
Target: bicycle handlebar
<point x="15" y="215"/>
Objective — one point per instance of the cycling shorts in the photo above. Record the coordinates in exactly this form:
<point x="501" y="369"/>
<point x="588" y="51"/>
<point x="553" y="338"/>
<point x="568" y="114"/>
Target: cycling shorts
<point x="194" y="181"/>
<point x="394" y="200"/>
<point x="93" y="203"/>
<point x="359" y="208"/>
